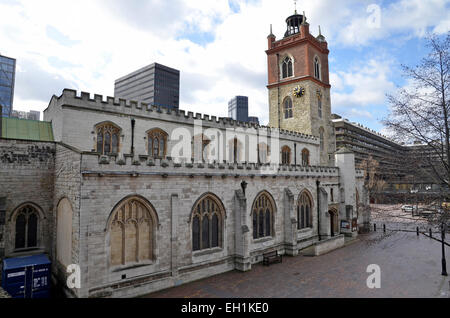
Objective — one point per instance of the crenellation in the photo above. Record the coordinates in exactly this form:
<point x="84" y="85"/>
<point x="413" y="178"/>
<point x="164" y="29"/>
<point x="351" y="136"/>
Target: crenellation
<point x="130" y="107"/>
<point x="166" y="110"/>
<point x="98" y="98"/>
<point x="104" y="164"/>
<point x="123" y="103"/>
<point x="70" y="93"/>
<point x="110" y="100"/>
<point x="134" y="104"/>
<point x="86" y="96"/>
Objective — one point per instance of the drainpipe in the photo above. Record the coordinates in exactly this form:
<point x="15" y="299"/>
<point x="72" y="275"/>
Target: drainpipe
<point x="278" y="91"/>
<point x="1" y="115"/>
<point x="133" y="123"/>
<point x="295" y="154"/>
<point x="318" y="209"/>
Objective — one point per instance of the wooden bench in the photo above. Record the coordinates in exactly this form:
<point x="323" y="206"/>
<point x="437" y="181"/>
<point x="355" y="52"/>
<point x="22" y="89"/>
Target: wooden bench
<point x="272" y="257"/>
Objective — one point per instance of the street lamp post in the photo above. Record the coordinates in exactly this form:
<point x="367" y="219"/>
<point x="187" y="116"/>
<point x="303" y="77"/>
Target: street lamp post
<point x="444" y="265"/>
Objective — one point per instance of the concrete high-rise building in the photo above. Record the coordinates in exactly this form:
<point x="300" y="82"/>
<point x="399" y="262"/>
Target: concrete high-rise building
<point x="403" y="182"/>
<point x="7" y="79"/>
<point x="154" y="84"/>
<point x="32" y="114"/>
<point x="238" y="108"/>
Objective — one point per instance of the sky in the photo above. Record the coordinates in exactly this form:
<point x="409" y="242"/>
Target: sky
<point x="218" y="46"/>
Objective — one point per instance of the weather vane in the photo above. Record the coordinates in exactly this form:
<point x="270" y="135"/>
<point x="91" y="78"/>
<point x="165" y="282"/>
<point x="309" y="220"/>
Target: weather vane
<point x="295" y="5"/>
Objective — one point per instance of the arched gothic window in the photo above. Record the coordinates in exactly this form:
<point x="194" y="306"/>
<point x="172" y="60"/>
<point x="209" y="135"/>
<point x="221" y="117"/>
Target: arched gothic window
<point x="321" y="137"/>
<point x="262" y="213"/>
<point x="157" y="143"/>
<point x="305" y="157"/>
<point x="317" y="68"/>
<point x="286" y="155"/>
<point x="207" y="223"/>
<point x="286" y="68"/>
<point x="107" y="138"/>
<point x="288" y="108"/>
<point x="64" y="230"/>
<point x="26" y="227"/>
<point x="132" y="232"/>
<point x="304" y="211"/>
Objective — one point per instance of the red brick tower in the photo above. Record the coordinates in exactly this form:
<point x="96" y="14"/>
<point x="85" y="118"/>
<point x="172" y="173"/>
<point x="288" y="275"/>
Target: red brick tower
<point x="298" y="83"/>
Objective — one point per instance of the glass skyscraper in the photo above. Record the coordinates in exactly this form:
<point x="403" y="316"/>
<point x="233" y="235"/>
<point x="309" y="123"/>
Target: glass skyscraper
<point x="7" y="78"/>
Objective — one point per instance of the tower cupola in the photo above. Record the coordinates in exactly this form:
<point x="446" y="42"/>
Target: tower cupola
<point x="293" y="24"/>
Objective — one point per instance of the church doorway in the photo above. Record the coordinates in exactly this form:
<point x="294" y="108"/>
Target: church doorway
<point x="333" y="222"/>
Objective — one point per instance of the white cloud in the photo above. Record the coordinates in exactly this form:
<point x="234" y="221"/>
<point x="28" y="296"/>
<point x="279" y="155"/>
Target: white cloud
<point x="105" y="40"/>
<point x="412" y="16"/>
<point x="363" y="85"/>
<point x="361" y="113"/>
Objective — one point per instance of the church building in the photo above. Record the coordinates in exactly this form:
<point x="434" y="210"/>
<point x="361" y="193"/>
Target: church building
<point x="140" y="197"/>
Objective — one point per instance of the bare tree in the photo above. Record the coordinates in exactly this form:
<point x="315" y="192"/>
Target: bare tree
<point x="420" y="116"/>
<point x="373" y="180"/>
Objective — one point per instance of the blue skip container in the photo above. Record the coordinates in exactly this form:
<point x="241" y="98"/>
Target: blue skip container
<point x="27" y="277"/>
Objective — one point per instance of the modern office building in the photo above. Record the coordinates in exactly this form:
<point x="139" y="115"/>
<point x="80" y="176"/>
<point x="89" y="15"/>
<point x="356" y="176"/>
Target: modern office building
<point x="32" y="114"/>
<point x="7" y="79"/>
<point x="238" y="108"/>
<point x="154" y="84"/>
<point x="253" y="119"/>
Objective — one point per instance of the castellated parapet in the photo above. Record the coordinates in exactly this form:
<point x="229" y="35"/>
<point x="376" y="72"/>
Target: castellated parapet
<point x="144" y="165"/>
<point x="75" y="117"/>
<point x="69" y="97"/>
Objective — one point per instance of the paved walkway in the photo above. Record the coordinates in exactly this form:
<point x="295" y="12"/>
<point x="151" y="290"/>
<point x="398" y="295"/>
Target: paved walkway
<point x="410" y="267"/>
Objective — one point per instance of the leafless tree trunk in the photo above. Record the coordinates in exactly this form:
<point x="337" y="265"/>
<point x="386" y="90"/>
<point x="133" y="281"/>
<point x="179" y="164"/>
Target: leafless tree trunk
<point x="373" y="181"/>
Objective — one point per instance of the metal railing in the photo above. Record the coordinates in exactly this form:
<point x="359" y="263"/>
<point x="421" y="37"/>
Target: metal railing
<point x="428" y="233"/>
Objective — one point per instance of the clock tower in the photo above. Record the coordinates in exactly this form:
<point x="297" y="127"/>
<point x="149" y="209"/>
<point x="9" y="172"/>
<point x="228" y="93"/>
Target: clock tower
<point x="298" y="84"/>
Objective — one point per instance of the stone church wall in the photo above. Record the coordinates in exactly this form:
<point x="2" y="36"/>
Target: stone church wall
<point x="67" y="187"/>
<point x="27" y="175"/>
<point x="172" y="189"/>
<point x="47" y="174"/>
